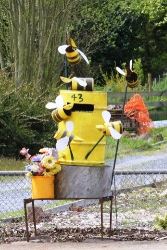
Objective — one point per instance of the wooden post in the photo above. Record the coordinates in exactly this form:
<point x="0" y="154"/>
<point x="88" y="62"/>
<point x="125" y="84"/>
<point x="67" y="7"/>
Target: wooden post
<point x="149" y="82"/>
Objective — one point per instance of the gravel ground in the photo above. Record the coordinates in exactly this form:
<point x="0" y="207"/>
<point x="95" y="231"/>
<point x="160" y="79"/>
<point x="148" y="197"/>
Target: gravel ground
<point x="136" y="213"/>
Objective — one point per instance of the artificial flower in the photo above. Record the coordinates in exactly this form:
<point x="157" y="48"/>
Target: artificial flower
<point x="29" y="174"/>
<point x="44" y="150"/>
<point x="24" y="152"/>
<point x="34" y="168"/>
<point x="49" y="162"/>
<point x="45" y="163"/>
<point x="37" y="158"/>
<point x="56" y="169"/>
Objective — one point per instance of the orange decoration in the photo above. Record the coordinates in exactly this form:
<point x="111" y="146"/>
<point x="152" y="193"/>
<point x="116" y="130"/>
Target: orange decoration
<point x="136" y="110"/>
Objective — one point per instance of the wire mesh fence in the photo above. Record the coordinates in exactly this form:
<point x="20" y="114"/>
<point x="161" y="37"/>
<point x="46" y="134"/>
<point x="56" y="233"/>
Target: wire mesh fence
<point x="138" y="196"/>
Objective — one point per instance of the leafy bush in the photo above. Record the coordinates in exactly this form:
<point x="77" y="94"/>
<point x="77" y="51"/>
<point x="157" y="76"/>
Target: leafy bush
<point x="24" y="120"/>
<point x="117" y="83"/>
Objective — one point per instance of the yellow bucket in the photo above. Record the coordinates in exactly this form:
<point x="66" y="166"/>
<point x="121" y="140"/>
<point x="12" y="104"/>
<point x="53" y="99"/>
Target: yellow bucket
<point x="42" y="187"/>
<point x="86" y="114"/>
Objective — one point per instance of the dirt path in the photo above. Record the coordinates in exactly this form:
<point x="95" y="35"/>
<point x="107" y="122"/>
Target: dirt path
<point x="91" y="244"/>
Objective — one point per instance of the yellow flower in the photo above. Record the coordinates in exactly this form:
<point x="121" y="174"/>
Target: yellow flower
<point x="47" y="173"/>
<point x="49" y="162"/>
<point x="56" y="169"/>
<point x="29" y="174"/>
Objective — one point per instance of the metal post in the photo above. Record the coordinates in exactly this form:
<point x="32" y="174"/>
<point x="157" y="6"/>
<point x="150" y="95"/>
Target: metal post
<point x="101" y="202"/>
<point x="87" y="155"/>
<point x="26" y="220"/>
<point x="34" y="218"/>
<point x="116" y="152"/>
<point x="111" y="201"/>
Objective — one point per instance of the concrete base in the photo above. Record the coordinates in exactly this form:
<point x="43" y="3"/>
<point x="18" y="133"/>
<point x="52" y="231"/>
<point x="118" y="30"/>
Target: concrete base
<point x="83" y="182"/>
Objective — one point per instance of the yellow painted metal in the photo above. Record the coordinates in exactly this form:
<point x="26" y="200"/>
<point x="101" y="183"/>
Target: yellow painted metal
<point x="117" y="125"/>
<point x="72" y="56"/>
<point x="85" y="120"/>
<point x="62" y="113"/>
<point x="133" y="84"/>
<point x="42" y="187"/>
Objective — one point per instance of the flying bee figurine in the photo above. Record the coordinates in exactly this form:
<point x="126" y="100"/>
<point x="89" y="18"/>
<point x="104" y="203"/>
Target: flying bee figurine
<point x="75" y="83"/>
<point x="60" y="111"/>
<point x="65" y="136"/>
<point x="114" y="129"/>
<point x="73" y="54"/>
<point x="131" y="76"/>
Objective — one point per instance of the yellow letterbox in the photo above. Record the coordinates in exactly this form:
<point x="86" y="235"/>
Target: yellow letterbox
<point x="86" y="114"/>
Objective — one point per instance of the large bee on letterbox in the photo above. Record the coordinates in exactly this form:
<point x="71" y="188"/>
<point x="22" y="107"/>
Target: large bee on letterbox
<point x="72" y="53"/>
<point x="61" y="111"/>
<point x="130" y="75"/>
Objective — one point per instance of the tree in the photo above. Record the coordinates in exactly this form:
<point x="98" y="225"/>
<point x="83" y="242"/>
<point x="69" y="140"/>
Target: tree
<point x="153" y="36"/>
<point x="37" y="27"/>
<point x="108" y="30"/>
<point x="116" y="31"/>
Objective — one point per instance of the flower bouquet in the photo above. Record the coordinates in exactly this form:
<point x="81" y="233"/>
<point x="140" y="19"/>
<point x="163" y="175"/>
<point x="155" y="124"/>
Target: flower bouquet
<point x="42" y="169"/>
<point x="43" y="164"/>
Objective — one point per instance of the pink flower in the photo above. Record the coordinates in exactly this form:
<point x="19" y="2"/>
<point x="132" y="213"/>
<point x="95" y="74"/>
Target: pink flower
<point x="24" y="152"/>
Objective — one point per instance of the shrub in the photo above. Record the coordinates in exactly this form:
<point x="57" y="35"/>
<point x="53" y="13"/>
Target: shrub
<point x="24" y="120"/>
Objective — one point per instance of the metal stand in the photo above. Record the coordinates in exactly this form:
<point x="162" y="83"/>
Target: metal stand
<point x="32" y="201"/>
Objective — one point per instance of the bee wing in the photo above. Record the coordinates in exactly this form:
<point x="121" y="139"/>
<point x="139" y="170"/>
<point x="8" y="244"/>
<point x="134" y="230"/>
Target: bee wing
<point x="65" y="79"/>
<point x="114" y="133"/>
<point x="80" y="81"/>
<point x="83" y="55"/>
<point x="51" y="105"/>
<point x="54" y="153"/>
<point x="131" y="65"/>
<point x="62" y="143"/>
<point x="106" y="116"/>
<point x="72" y="43"/>
<point x="59" y="101"/>
<point x="62" y="49"/>
<point x="69" y="126"/>
<point x="120" y="71"/>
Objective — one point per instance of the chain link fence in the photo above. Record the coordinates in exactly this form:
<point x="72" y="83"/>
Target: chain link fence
<point x="129" y="186"/>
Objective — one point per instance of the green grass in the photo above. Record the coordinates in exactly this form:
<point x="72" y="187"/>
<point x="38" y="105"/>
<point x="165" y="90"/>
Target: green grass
<point x="11" y="164"/>
<point x="20" y="213"/>
<point x="137" y="144"/>
<point x="12" y="214"/>
<point x="57" y="203"/>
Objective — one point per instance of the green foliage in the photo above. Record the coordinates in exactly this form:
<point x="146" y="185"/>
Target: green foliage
<point x="114" y="27"/>
<point x="113" y="32"/>
<point x="138" y="68"/>
<point x="117" y="83"/>
<point x="160" y="86"/>
<point x="24" y="120"/>
<point x="114" y="83"/>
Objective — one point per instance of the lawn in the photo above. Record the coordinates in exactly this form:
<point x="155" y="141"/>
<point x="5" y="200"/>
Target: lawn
<point x="155" y="140"/>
